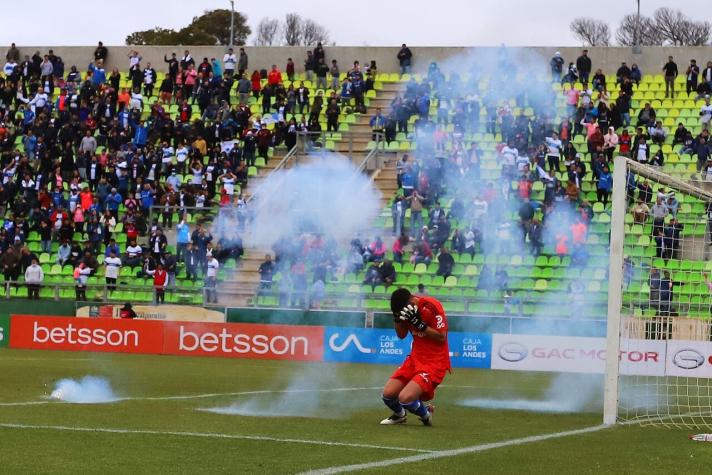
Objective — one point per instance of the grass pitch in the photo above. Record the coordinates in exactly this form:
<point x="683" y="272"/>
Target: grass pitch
<point x="304" y="417"/>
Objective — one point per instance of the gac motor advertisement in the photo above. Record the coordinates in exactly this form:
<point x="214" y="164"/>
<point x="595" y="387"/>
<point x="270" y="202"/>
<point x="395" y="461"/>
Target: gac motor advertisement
<point x="575" y="354"/>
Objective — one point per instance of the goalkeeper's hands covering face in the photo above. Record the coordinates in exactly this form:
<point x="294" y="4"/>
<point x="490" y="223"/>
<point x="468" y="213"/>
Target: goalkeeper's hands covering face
<point x="410" y="314"/>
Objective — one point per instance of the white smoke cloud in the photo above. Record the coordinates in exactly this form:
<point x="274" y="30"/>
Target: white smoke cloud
<point x="325" y="195"/>
<point x="318" y="391"/>
<point x="87" y="390"/>
<point x="567" y="393"/>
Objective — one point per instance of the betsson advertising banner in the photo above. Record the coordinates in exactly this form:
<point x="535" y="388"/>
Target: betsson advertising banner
<point x="141" y="336"/>
<point x="574" y="354"/>
<point x="380" y="346"/>
<point x="81" y="334"/>
<point x="241" y="340"/>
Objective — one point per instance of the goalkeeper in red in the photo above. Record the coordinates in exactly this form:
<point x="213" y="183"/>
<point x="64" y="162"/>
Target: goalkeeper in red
<point x="414" y="382"/>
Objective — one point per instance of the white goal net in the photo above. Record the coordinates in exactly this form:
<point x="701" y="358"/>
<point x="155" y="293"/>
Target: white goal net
<point x="659" y="299"/>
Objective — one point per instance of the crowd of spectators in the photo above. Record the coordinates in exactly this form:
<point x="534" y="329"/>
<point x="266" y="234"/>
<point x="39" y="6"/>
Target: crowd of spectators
<point x="97" y="158"/>
<point x="533" y="150"/>
<point x="108" y="160"/>
<point x="305" y="265"/>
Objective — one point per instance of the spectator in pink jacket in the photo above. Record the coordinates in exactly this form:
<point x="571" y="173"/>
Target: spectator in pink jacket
<point x="189" y="77"/>
<point x="610" y="142"/>
<point x="376" y="250"/>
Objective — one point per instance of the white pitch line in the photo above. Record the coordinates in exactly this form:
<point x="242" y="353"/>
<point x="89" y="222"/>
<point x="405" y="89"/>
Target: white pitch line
<point x="239" y="393"/>
<point x="453" y="452"/>
<point x="210" y="435"/>
<point x="201" y="396"/>
<point x="246" y="393"/>
<point x="20" y="358"/>
<point x="25" y="403"/>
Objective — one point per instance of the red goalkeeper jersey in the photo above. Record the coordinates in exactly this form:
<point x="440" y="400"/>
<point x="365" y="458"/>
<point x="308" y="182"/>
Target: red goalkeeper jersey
<point x="427" y="352"/>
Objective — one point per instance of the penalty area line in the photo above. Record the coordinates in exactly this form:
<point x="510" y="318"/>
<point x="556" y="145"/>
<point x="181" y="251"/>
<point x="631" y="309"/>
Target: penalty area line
<point x="453" y="452"/>
<point x="24" y="403"/>
<point x="209" y="435"/>
<point x="246" y="393"/>
<point x="197" y="396"/>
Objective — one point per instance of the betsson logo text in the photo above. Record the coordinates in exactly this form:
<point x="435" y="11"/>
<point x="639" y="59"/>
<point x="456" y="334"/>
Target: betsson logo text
<point x="226" y="342"/>
<point x="84" y="336"/>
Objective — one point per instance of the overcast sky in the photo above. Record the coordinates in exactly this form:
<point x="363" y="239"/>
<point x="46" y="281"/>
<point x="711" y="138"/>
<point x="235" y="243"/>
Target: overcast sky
<point x="351" y="23"/>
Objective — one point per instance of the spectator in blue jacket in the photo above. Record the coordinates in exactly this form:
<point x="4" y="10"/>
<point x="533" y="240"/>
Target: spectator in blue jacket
<point x="112" y="248"/>
<point x="182" y="238"/>
<point x="113" y="200"/>
<point x="141" y="135"/>
<point x="217" y="67"/>
<point x="98" y="73"/>
<point x="377" y="123"/>
<point x="635" y="74"/>
<point x="605" y="185"/>
<point x="147" y="198"/>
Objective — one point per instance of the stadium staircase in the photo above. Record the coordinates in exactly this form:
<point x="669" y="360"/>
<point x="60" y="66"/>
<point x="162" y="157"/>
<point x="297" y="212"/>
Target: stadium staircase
<point x="239" y="288"/>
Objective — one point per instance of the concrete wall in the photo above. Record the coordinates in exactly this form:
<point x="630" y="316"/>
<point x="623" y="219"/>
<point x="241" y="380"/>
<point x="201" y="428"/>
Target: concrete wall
<point x="650" y="61"/>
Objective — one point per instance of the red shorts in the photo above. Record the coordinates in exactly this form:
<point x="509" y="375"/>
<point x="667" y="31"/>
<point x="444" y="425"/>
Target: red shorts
<point x="427" y="378"/>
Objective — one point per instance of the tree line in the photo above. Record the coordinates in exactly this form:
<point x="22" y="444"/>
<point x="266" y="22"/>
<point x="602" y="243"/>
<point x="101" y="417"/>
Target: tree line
<point x="212" y="28"/>
<point x="667" y="27"/>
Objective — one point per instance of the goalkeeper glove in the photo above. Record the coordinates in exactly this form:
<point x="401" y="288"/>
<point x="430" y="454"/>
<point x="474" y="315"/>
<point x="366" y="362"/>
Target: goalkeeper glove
<point x="410" y="314"/>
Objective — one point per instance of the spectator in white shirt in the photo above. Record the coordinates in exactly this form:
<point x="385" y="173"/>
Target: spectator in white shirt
<point x="658" y="133"/>
<point x="509" y="156"/>
<point x="38" y="102"/>
<point x="113" y="268"/>
<point x="706" y="113"/>
<point x="211" y="275"/>
<point x="136" y="101"/>
<point x="64" y="253"/>
<point x="229" y="62"/>
<point x="553" y="156"/>
<point x="522" y="163"/>
<point x="642" y="154"/>
<point x="134" y="58"/>
<point x="34" y="276"/>
<point x="181" y="157"/>
<point x="167" y="157"/>
<point x="479" y="208"/>
<point x="9" y="67"/>
<point x="134" y="254"/>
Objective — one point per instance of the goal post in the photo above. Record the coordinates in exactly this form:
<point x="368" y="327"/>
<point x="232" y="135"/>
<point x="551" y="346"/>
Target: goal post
<point x="659" y="299"/>
<point x="615" y="290"/>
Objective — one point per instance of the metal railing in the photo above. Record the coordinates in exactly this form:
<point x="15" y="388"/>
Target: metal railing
<point x="315" y="143"/>
<point x="103" y="292"/>
<point x="197" y="214"/>
<point x="374" y="154"/>
<point x="515" y="305"/>
<point x="666" y="328"/>
<point x="288" y="157"/>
